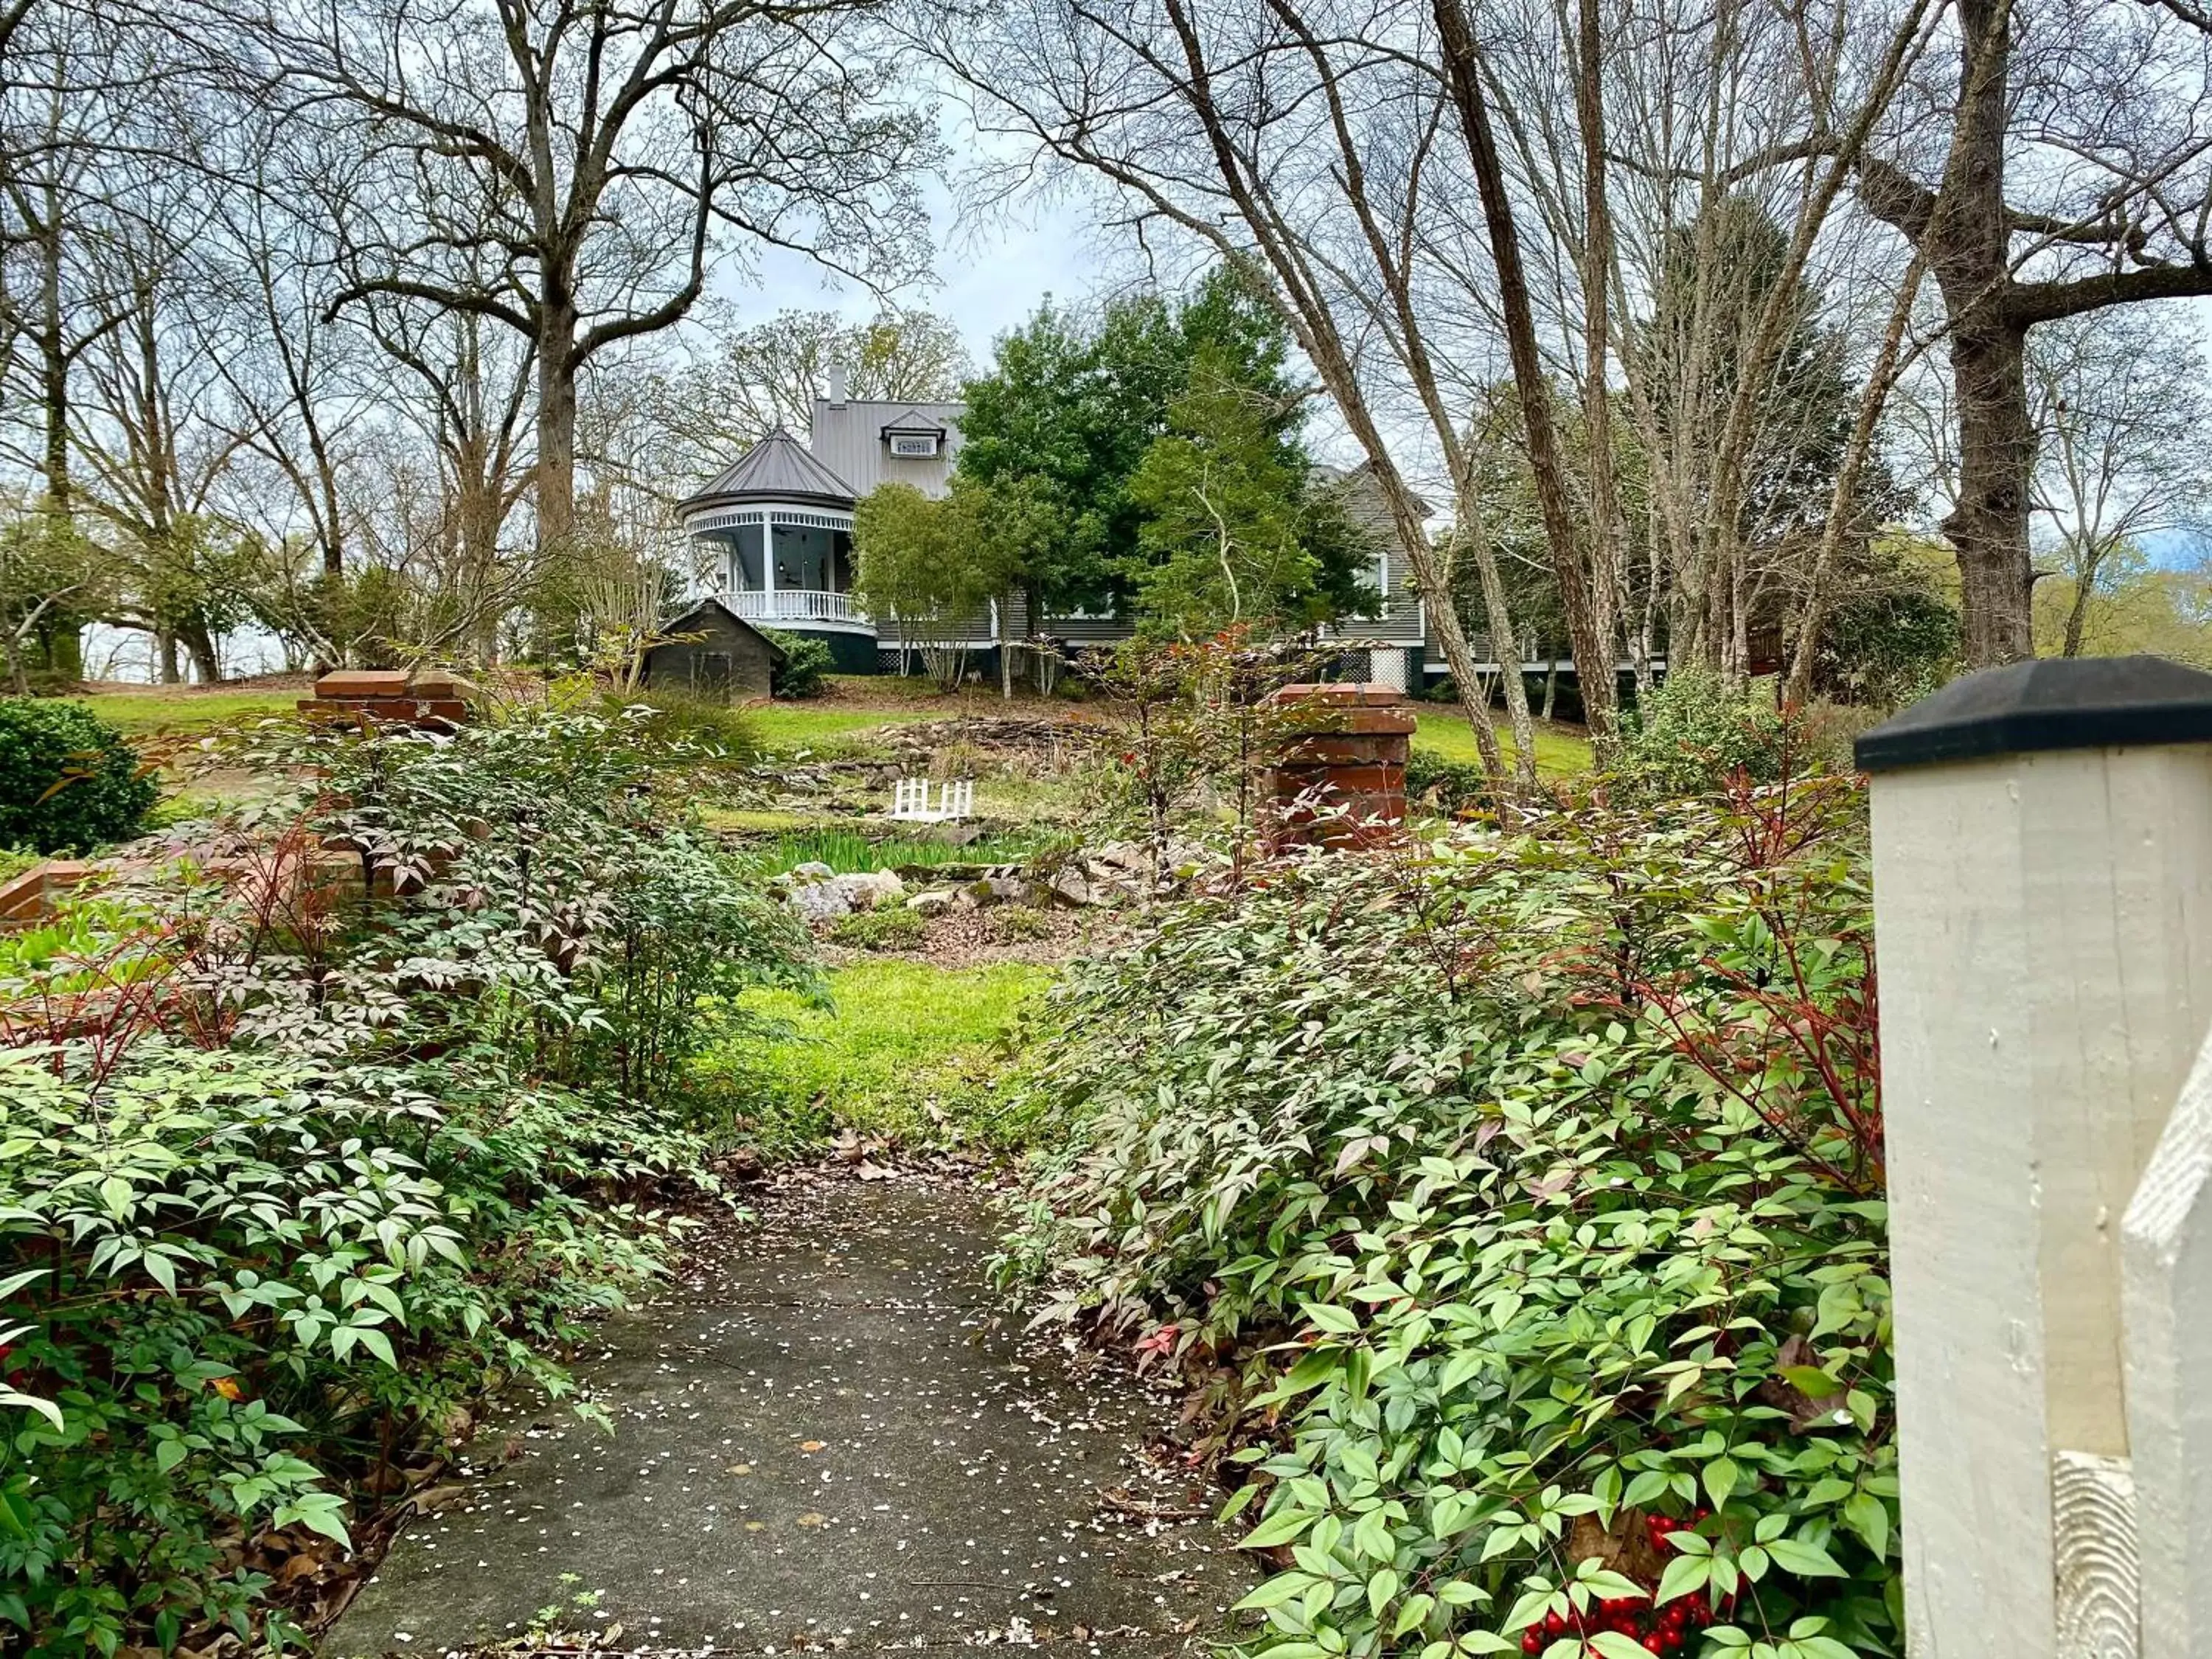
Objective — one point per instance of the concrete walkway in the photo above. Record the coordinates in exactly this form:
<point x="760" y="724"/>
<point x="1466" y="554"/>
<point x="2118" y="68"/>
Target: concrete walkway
<point x="827" y="1439"/>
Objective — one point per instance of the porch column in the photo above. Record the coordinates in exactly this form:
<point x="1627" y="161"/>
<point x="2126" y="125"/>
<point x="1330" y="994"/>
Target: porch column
<point x="2043" y="911"/>
<point x="767" y="562"/>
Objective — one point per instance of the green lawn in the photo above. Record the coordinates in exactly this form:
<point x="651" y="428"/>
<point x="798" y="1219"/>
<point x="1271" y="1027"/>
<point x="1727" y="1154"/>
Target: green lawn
<point x="139" y="712"/>
<point x="785" y="727"/>
<point x="1444" y="732"/>
<point x="899" y="1038"/>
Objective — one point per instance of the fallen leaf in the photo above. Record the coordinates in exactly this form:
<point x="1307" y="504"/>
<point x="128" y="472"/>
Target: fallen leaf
<point x="810" y="1519"/>
<point x="813" y="1445"/>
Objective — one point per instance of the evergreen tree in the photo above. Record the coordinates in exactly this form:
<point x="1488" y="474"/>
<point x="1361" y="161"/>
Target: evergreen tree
<point x="1115" y="445"/>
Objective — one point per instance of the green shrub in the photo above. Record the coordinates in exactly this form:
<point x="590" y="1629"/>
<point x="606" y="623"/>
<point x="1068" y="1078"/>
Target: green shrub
<point x="893" y="927"/>
<point x="804" y="670"/>
<point x="1690" y="733"/>
<point x="698" y="729"/>
<point x="357" y="1162"/>
<point x="1518" y="1206"/>
<point x="1449" y="784"/>
<point x="69" y="783"/>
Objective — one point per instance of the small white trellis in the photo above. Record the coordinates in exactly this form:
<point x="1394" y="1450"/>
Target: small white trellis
<point x="910" y="800"/>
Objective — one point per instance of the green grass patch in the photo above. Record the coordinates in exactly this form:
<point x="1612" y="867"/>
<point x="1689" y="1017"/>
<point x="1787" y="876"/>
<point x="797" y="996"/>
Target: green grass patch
<point x="140" y="713"/>
<point x="784" y="727"/>
<point x="846" y="851"/>
<point x="905" y="1051"/>
<point x="1444" y="733"/>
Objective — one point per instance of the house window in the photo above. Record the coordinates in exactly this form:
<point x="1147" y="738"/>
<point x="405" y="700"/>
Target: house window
<point x="917" y="445"/>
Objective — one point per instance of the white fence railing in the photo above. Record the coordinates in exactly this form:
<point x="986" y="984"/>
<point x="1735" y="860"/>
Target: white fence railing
<point x="2042" y="908"/>
<point x="796" y="605"/>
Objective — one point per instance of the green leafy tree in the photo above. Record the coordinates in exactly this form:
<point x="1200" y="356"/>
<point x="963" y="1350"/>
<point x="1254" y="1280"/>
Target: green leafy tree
<point x="1072" y="411"/>
<point x="1228" y="534"/>
<point x="53" y="575"/>
<point x="933" y="564"/>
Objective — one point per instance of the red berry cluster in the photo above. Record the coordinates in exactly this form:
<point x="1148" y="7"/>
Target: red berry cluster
<point x="1658" y="1629"/>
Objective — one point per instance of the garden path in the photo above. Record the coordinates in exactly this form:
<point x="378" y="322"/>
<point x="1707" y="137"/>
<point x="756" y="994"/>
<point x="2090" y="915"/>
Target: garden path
<point x="827" y="1437"/>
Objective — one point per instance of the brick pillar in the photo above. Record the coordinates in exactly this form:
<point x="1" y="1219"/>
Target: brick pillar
<point x="428" y="697"/>
<point x="1343" y="747"/>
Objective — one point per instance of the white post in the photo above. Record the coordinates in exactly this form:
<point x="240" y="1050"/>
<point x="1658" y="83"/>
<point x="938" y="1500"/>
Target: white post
<point x="2043" y="904"/>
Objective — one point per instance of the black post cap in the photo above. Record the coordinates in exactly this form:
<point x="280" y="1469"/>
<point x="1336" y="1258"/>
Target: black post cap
<point x="2052" y="703"/>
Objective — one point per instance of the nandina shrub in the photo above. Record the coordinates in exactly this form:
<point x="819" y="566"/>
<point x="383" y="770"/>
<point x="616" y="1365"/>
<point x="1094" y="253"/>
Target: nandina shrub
<point x="1518" y="1199"/>
<point x="68" y="782"/>
<point x="312" y="1136"/>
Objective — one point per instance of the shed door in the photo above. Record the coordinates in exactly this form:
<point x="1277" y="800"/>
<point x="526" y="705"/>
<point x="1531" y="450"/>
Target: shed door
<point x="710" y="674"/>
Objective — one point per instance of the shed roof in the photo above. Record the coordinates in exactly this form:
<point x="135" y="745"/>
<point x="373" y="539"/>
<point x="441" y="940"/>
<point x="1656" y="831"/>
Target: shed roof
<point x="690" y="621"/>
<point x="776" y="469"/>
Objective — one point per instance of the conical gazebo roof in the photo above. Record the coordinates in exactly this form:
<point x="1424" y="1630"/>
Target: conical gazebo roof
<point x="778" y="468"/>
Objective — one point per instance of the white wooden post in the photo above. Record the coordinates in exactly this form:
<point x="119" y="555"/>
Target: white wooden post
<point x="2043" y="904"/>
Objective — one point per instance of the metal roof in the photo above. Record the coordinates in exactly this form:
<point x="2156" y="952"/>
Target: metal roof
<point x="850" y="438"/>
<point x="776" y="469"/>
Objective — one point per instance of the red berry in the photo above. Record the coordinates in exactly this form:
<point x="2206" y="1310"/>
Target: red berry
<point x="1532" y="1641"/>
<point x="1553" y="1625"/>
<point x="1653" y="1644"/>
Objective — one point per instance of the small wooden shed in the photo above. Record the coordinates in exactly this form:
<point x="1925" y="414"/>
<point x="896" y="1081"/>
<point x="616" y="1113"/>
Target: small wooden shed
<point x="714" y="654"/>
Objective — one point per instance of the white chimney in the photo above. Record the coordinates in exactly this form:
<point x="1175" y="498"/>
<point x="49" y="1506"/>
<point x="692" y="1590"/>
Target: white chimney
<point x="836" y="386"/>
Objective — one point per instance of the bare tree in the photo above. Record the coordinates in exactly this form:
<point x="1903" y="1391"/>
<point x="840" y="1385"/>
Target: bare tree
<point x="2077" y="177"/>
<point x="2122" y="415"/>
<point x="1301" y="144"/>
<point x="598" y="160"/>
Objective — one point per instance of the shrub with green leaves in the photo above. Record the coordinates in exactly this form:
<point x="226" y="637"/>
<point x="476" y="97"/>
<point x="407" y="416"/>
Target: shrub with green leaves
<point x="1690" y="732"/>
<point x="892" y="927"/>
<point x="68" y="782"/>
<point x="1517" y="1202"/>
<point x="805" y="668"/>
<point x="289" y="1172"/>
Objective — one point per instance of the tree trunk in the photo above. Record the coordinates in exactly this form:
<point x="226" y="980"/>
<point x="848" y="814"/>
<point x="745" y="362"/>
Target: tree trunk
<point x="1500" y="617"/>
<point x="1988" y="527"/>
<point x="556" y="422"/>
<point x="199" y="644"/>
<point x="164" y="655"/>
<point x="1594" y="662"/>
<point x="2085" y="588"/>
<point x="1968" y="244"/>
<point x="1605" y="541"/>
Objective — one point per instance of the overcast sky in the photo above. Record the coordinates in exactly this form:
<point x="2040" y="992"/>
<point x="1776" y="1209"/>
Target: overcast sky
<point x="991" y="274"/>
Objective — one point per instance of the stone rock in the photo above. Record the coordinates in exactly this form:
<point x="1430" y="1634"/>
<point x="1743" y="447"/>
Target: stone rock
<point x="998" y="889"/>
<point x="934" y="902"/>
<point x="813" y="870"/>
<point x="865" y="889"/>
<point x="1069" y="886"/>
<point x="1124" y="855"/>
<point x="819" y="900"/>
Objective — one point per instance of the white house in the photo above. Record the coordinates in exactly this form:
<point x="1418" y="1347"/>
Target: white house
<point x="778" y="523"/>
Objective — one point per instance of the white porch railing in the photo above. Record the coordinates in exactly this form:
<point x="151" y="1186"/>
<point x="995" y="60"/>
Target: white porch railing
<point x="796" y="605"/>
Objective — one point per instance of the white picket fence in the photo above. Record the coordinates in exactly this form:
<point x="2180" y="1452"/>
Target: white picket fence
<point x="2043" y="903"/>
